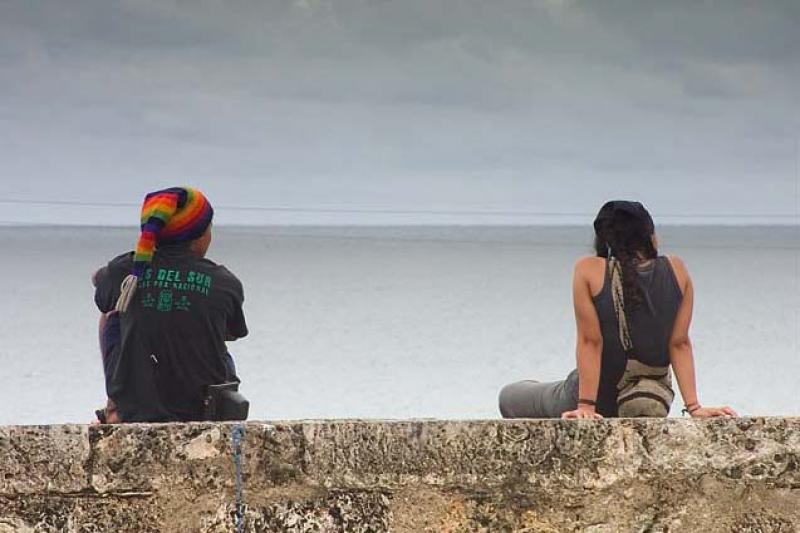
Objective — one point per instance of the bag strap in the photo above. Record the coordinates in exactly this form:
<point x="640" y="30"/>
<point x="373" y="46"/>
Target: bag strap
<point x="619" y="304"/>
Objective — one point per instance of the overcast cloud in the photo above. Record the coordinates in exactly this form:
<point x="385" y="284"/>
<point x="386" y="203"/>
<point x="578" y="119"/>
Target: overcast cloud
<point x="413" y="105"/>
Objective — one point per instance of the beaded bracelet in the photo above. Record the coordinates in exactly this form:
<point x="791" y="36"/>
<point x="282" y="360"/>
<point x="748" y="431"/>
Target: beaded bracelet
<point x="690" y="408"/>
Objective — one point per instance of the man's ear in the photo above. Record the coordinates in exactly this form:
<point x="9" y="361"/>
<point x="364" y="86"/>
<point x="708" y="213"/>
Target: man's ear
<point x="200" y="245"/>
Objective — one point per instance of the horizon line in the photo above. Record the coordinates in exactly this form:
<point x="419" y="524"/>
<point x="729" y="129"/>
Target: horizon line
<point x="715" y="224"/>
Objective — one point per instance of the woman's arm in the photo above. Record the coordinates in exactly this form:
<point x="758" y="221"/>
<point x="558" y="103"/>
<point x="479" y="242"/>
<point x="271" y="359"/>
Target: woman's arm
<point x="680" y="348"/>
<point x="589" y="344"/>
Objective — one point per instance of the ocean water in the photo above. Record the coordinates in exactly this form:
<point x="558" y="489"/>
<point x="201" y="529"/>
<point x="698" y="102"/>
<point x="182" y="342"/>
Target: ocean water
<point x="400" y="322"/>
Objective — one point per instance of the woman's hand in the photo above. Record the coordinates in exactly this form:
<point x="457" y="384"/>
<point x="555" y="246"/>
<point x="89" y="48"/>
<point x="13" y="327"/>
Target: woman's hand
<point x="711" y="412"/>
<point x="581" y="413"/>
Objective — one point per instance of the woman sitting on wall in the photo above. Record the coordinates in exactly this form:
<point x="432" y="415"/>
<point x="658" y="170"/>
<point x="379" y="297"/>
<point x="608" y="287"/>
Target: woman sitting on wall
<point x="633" y="309"/>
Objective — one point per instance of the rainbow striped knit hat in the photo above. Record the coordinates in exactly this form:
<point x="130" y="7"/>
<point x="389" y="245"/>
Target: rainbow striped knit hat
<point x="169" y="216"/>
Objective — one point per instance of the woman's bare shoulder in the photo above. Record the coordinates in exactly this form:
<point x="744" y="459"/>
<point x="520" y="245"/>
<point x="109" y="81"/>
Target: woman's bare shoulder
<point x="590" y="263"/>
<point x="677" y="263"/>
<point x="680" y="270"/>
<point x="590" y="267"/>
<point x="591" y="271"/>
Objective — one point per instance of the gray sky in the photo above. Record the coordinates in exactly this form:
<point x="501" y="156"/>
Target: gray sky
<point x="414" y="106"/>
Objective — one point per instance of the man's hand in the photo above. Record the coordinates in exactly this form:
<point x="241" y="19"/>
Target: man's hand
<point x="582" y="412"/>
<point x="711" y="412"/>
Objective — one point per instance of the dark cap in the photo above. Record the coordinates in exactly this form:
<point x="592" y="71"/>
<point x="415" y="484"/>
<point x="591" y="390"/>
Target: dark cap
<point x="635" y="209"/>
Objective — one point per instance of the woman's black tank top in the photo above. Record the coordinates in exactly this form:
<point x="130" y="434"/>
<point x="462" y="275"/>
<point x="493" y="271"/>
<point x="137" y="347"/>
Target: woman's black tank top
<point x="650" y="326"/>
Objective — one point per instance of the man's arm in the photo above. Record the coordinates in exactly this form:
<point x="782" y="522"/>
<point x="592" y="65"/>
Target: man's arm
<point x="589" y="344"/>
<point x="236" y="323"/>
<point x="103" y="299"/>
<point x="102" y="289"/>
<point x="107" y="281"/>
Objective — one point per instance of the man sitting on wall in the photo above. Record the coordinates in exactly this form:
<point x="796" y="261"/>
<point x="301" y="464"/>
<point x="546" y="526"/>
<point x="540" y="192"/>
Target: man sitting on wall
<point x="167" y="312"/>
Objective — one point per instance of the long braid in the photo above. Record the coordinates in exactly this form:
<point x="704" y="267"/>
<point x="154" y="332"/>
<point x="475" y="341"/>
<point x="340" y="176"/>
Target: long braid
<point x="623" y="239"/>
<point x="618" y="296"/>
<point x="624" y="242"/>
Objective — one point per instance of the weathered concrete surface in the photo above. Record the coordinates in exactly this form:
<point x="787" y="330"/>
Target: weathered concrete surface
<point x="538" y="476"/>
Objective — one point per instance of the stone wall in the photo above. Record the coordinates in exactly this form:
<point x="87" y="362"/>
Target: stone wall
<point x="530" y="475"/>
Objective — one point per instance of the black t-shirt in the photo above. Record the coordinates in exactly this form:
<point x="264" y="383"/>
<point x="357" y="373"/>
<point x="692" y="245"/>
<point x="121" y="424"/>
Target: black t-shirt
<point x="173" y="333"/>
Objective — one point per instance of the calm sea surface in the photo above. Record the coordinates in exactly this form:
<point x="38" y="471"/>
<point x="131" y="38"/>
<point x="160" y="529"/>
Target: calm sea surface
<point x="399" y="322"/>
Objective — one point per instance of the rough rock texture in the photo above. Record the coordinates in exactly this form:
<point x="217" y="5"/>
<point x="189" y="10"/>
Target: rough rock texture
<point x="531" y="475"/>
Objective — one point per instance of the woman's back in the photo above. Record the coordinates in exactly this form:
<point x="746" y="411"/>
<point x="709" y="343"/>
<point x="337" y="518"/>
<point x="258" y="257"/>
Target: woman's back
<point x="650" y="324"/>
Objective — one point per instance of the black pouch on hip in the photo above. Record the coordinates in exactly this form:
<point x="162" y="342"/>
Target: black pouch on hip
<point x="224" y="402"/>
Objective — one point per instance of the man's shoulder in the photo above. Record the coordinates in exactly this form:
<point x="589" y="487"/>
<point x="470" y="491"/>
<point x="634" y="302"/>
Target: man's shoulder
<point x="219" y="270"/>
<point x="119" y="265"/>
<point x="122" y="261"/>
<point x="107" y="280"/>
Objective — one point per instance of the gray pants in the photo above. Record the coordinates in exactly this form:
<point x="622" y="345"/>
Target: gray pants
<point x="531" y="399"/>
